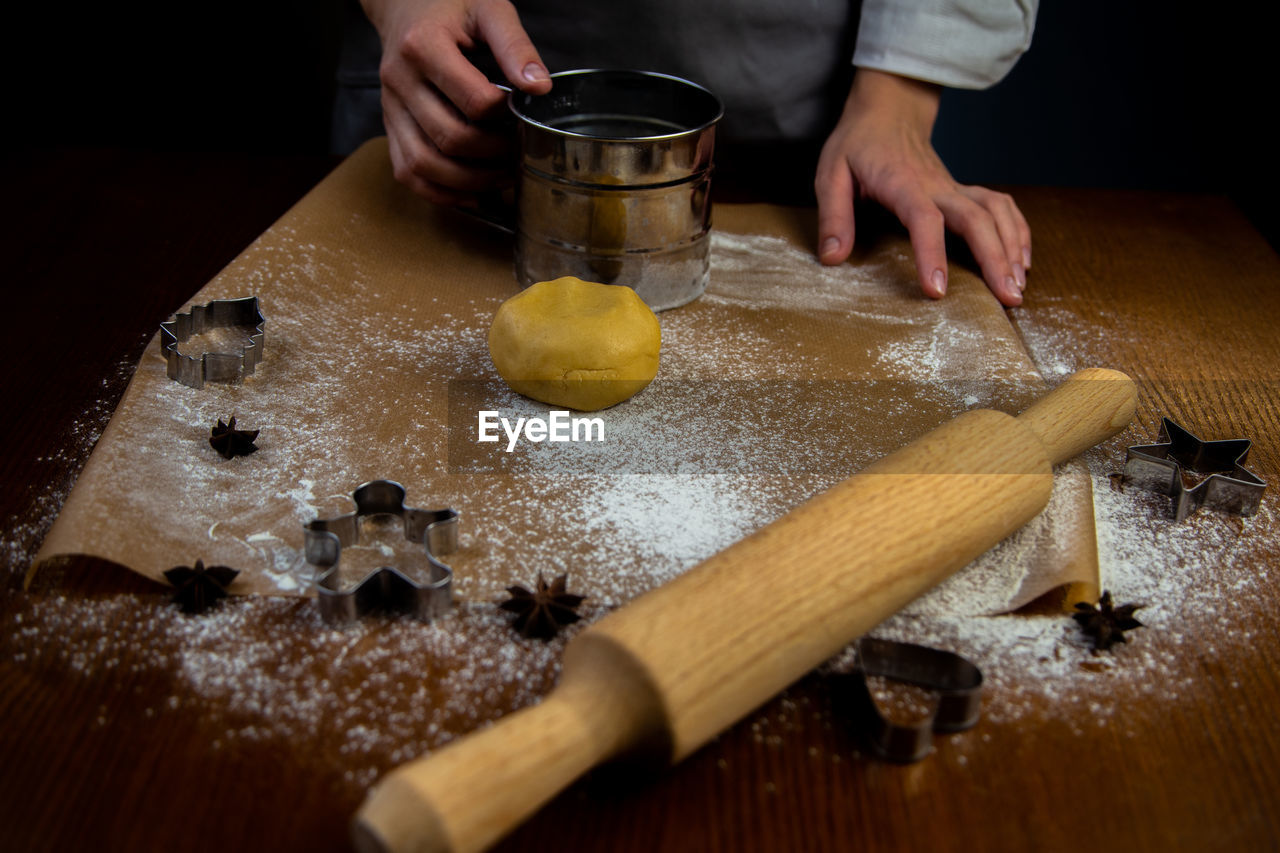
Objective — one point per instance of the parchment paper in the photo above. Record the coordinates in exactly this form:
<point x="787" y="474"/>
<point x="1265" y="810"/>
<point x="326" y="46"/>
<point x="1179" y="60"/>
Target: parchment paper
<point x="783" y="379"/>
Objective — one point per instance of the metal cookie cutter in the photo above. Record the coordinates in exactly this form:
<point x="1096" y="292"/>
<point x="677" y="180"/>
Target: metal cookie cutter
<point x="954" y="681"/>
<point x="194" y="371"/>
<point x="1160" y="468"/>
<point x="384" y="589"/>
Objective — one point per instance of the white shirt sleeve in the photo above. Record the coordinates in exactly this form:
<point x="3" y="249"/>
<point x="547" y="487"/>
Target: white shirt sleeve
<point x="966" y="44"/>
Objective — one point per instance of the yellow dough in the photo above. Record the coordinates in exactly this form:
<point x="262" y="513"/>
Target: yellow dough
<point x="575" y="343"/>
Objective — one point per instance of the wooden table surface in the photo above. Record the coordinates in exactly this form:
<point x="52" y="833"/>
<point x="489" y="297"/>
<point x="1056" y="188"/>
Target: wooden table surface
<point x="1177" y="290"/>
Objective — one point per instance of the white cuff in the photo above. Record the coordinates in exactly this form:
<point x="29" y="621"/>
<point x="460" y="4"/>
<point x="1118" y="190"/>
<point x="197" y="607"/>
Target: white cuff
<point x="966" y="44"/>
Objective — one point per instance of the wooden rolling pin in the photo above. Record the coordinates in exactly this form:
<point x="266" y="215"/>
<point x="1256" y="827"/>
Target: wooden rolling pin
<point x="678" y="665"/>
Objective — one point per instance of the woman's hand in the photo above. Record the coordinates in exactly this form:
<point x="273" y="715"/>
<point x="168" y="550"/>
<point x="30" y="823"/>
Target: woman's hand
<point x="432" y="96"/>
<point x="880" y="149"/>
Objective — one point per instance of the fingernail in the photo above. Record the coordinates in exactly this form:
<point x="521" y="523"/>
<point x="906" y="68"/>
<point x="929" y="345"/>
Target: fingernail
<point x="535" y="73"/>
<point x="829" y="245"/>
<point x="939" y="279"/>
<point x="1011" y="286"/>
<point x="1026" y="257"/>
<point x="1020" y="276"/>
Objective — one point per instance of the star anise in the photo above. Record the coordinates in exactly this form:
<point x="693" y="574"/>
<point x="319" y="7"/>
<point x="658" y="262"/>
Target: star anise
<point x="197" y="588"/>
<point x="231" y="442"/>
<point x="543" y="611"/>
<point x="1105" y="623"/>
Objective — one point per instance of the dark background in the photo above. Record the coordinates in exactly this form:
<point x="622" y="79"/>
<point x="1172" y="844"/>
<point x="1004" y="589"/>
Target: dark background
<point x="1111" y="94"/>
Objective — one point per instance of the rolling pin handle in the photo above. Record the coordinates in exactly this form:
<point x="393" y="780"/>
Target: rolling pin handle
<point x="1090" y="406"/>
<point x="477" y="789"/>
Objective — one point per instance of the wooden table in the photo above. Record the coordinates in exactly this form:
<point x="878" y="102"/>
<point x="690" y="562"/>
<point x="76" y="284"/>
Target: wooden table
<point x="1178" y="290"/>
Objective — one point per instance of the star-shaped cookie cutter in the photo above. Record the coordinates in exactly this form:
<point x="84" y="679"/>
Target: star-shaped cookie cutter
<point x="194" y="371"/>
<point x="1160" y="467"/>
<point x="954" y="682"/>
<point x="385" y="589"/>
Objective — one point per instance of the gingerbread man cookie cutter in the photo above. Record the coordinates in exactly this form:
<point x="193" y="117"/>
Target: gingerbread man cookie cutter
<point x="385" y="589"/>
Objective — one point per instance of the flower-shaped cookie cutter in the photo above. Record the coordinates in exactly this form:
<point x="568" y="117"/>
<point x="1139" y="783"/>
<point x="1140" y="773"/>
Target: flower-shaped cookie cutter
<point x="385" y="589"/>
<point x="194" y="371"/>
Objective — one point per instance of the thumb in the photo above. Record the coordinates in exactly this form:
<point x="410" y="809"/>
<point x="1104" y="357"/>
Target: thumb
<point x="502" y="31"/>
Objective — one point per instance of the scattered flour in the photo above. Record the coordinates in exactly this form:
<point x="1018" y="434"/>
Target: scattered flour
<point x="1190" y="577"/>
<point x="751" y="265"/>
<point x="384" y="691"/>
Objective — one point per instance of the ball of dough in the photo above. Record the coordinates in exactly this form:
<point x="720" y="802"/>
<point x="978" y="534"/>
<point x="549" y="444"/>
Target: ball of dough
<point x="575" y="343"/>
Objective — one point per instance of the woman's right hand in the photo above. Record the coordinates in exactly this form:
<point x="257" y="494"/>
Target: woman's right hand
<point x="432" y="96"/>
